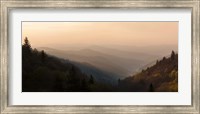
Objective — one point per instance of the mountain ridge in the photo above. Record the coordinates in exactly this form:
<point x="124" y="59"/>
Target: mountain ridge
<point x="161" y="77"/>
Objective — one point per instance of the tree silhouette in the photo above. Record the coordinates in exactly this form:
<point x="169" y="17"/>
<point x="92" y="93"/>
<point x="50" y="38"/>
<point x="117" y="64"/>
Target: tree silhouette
<point x="84" y="86"/>
<point x="151" y="88"/>
<point x="44" y="73"/>
<point x="164" y="58"/>
<point x="173" y="55"/>
<point x="43" y="56"/>
<point x="26" y="47"/>
<point x="72" y="71"/>
<point x="26" y="43"/>
<point x="119" y="81"/>
<point x="142" y="70"/>
<point x="157" y="62"/>
<point x="91" y="81"/>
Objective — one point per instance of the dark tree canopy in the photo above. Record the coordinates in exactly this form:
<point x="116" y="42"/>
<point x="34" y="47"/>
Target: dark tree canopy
<point x="119" y="80"/>
<point x="173" y="55"/>
<point x="26" y="47"/>
<point x="43" y="56"/>
<point x="163" y="76"/>
<point x="91" y="81"/>
<point x="151" y="88"/>
<point x="45" y="73"/>
<point x="26" y="43"/>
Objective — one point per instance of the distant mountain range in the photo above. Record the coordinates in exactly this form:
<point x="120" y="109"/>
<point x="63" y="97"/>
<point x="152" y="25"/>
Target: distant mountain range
<point x="99" y="69"/>
<point x="45" y="73"/>
<point x="120" y="62"/>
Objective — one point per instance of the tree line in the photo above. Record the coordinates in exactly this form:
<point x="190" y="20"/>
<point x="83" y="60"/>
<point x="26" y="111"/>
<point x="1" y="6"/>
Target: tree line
<point x="45" y="73"/>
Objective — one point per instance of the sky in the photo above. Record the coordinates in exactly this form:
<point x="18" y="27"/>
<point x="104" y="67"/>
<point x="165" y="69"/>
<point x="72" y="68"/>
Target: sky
<point x="50" y="34"/>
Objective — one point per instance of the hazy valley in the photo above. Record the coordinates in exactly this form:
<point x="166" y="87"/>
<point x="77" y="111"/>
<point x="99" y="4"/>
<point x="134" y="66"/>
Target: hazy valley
<point x="97" y="70"/>
<point x="111" y="63"/>
<point x="100" y="56"/>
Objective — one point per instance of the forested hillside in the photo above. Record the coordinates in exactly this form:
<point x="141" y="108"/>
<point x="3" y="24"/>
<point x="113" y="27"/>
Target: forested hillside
<point x="44" y="73"/>
<point x="161" y="77"/>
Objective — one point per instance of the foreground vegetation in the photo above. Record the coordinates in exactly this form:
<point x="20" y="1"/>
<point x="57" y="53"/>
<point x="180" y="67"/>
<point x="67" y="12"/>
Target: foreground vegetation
<point x="44" y="73"/>
<point x="161" y="77"/>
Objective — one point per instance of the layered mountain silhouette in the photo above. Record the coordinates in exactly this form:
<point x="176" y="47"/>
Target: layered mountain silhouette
<point x="97" y="69"/>
<point x="45" y="73"/>
<point x="118" y="61"/>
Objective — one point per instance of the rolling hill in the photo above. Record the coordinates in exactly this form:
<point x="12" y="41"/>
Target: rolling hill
<point x="161" y="77"/>
<point x="42" y="72"/>
<point x="121" y="63"/>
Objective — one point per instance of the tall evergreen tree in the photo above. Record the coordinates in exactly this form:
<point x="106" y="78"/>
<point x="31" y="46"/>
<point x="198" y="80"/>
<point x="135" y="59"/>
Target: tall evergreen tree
<point x="157" y="62"/>
<point x="151" y="88"/>
<point x="91" y="81"/>
<point x="84" y="86"/>
<point x="173" y="55"/>
<point x="26" y="43"/>
<point x="43" y="56"/>
<point x="119" y="80"/>
<point x="164" y="58"/>
<point x="26" y="47"/>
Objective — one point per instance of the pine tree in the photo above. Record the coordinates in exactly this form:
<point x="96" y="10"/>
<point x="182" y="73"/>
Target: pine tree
<point x="173" y="55"/>
<point x="26" y="43"/>
<point x="84" y="86"/>
<point x="157" y="62"/>
<point x="91" y="81"/>
<point x="151" y="88"/>
<point x="43" y="56"/>
<point x="26" y="47"/>
<point x="119" y="80"/>
<point x="164" y="58"/>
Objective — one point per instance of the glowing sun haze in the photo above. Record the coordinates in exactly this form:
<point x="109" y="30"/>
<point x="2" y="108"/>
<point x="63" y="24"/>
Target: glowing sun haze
<point x="101" y="33"/>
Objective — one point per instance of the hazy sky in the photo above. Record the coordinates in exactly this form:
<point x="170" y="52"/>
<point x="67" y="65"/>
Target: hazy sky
<point x="100" y="33"/>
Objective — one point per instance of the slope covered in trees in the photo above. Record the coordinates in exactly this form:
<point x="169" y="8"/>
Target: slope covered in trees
<point x="44" y="73"/>
<point x="161" y="77"/>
